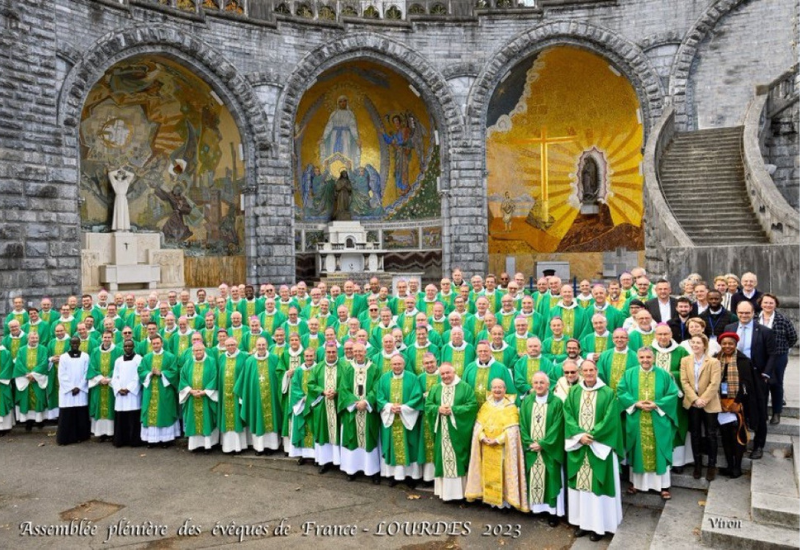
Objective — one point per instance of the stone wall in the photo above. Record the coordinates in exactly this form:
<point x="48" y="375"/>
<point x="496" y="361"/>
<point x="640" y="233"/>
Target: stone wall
<point x="54" y="50"/>
<point x="780" y="149"/>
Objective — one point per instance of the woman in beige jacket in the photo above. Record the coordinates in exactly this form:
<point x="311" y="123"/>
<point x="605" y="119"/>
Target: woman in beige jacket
<point x="700" y="378"/>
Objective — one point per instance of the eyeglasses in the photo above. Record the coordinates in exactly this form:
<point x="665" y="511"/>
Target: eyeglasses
<point x="570" y="372"/>
<point x="127" y="332"/>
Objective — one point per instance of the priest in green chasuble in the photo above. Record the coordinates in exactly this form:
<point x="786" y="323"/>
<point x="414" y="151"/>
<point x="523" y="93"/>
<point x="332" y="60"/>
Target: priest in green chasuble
<point x="649" y="398"/>
<point x="301" y="425"/>
<point x="291" y="359"/>
<point x="359" y="416"/>
<point x="667" y="356"/>
<point x="458" y="352"/>
<point x="6" y="391"/>
<point x="597" y="341"/>
<point x="58" y="345"/>
<point x="199" y="396"/>
<point x="101" y="395"/>
<point x="593" y="441"/>
<point x="496" y="472"/>
<point x="541" y="425"/>
<point x="479" y="375"/>
<point x="575" y="319"/>
<point x="614" y="362"/>
<point x="30" y="375"/>
<point x="529" y="364"/>
<point x="259" y="388"/>
<point x="450" y="411"/>
<point x="399" y="402"/>
<point x="327" y="381"/>
<point x="428" y="379"/>
<point x="160" y="375"/>
<point x="232" y="431"/>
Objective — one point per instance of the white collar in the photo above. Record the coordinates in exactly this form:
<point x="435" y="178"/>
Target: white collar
<point x="597" y="385"/>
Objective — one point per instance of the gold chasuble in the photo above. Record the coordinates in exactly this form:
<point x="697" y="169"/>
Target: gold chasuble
<point x="497" y="472"/>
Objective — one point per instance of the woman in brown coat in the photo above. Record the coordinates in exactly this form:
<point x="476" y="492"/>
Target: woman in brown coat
<point x="700" y="378"/>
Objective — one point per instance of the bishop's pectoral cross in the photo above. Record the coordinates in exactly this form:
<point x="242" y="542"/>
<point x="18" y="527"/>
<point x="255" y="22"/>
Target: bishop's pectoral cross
<point x="261" y="378"/>
<point x="544" y="142"/>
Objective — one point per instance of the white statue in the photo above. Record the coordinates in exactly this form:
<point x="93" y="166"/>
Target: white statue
<point x="121" y="180"/>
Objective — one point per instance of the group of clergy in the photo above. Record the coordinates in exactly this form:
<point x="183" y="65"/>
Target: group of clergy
<point x="519" y="398"/>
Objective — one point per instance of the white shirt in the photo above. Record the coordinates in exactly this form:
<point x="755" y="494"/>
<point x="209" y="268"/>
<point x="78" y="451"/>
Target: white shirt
<point x="72" y="374"/>
<point x="665" y="310"/>
<point x="126" y="377"/>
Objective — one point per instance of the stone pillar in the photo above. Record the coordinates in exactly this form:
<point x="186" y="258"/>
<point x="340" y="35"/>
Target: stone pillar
<point x="273" y="219"/>
<point x="39" y="221"/>
<point x="466" y="227"/>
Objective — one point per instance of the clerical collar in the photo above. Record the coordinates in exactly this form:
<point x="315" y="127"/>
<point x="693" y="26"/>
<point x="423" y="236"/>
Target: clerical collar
<point x="441" y="319"/>
<point x="502" y="345"/>
<point x="601" y="308"/>
<point x="397" y="376"/>
<point x="390" y="355"/>
<point x="128" y="356"/>
<point x="484" y="365"/>
<point x="535" y="356"/>
<point x="187" y="333"/>
<point x="582" y="296"/>
<point x="260" y="357"/>
<point x="109" y="348"/>
<point x="74" y="353"/>
<point x="715" y="312"/>
<point x="561" y="303"/>
<point x="671" y="347"/>
<point x="234" y="354"/>
<point x="331" y="364"/>
<point x="359" y="365"/>
<point x="597" y="385"/>
<point x="646" y="370"/>
<point x="604" y="335"/>
<point x="459" y="348"/>
<point x="254" y="332"/>
<point x="201" y="360"/>
<point x="620" y="351"/>
<point x="158" y="352"/>
<point x="542" y="398"/>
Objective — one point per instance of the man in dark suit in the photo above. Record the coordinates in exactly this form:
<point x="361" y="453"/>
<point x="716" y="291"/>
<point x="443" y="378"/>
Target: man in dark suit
<point x="683" y="307"/>
<point x="662" y="307"/>
<point x="748" y="293"/>
<point x="716" y="316"/>
<point x="757" y="342"/>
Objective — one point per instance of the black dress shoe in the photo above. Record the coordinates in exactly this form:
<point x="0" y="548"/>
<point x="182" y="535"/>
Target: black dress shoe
<point x="677" y="469"/>
<point x="580" y="533"/>
<point x="301" y="461"/>
<point x="150" y="445"/>
<point x="324" y="468"/>
<point x="412" y="483"/>
<point x="756" y="454"/>
<point x="594" y="537"/>
<point x="552" y="521"/>
<point x="351" y="477"/>
<point x="698" y="471"/>
<point x="392" y="482"/>
<point x="376" y="479"/>
<point x="776" y="419"/>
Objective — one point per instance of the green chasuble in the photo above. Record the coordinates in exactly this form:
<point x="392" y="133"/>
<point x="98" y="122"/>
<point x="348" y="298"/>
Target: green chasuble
<point x="6" y="376"/>
<point x="159" y="394"/>
<point x="271" y="321"/>
<point x="426" y="382"/>
<point x="519" y="343"/>
<point x="612" y="365"/>
<point x="13" y="345"/>
<point x="209" y="337"/>
<point x="555" y="349"/>
<point x="179" y="342"/>
<point x="592" y="343"/>
<point x="543" y="423"/>
<point x="614" y="317"/>
<point x="259" y="387"/>
<point x="19" y="316"/>
<point x="300" y="327"/>
<point x="526" y="366"/>
<point x="414" y="355"/>
<point x="399" y="445"/>
<point x="32" y="360"/>
<point x="407" y="322"/>
<point x="638" y="339"/>
<point x="458" y="357"/>
<point x="101" y="397"/>
<point x="506" y="320"/>
<point x="289" y="360"/>
<point x="479" y="378"/>
<point x="199" y="413"/>
<point x="56" y="348"/>
<point x="575" y="321"/>
<point x="595" y="412"/>
<point x="326" y="416"/>
<point x="302" y="424"/>
<point x="451" y="442"/>
<point x="669" y="359"/>
<point x="649" y="435"/>
<point x="229" y="416"/>
<point x="41" y="328"/>
<point x="377" y="334"/>
<point x="359" y="428"/>
<point x="249" y="339"/>
<point x="440" y="326"/>
<point x="504" y="354"/>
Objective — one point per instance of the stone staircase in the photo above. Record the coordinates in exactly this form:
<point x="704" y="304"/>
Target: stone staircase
<point x="759" y="511"/>
<point x="702" y="178"/>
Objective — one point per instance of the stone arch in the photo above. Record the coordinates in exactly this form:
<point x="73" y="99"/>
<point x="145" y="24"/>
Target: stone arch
<point x="430" y="84"/>
<point x="687" y="52"/>
<point x="209" y="65"/>
<point x="626" y="55"/>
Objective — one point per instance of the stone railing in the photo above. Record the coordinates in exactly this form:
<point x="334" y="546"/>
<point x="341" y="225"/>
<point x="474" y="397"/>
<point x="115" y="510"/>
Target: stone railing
<point x="662" y="229"/>
<point x="780" y="93"/>
<point x="776" y="216"/>
<point x="332" y="11"/>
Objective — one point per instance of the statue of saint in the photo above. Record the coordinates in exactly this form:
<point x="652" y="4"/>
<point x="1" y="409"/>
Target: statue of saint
<point x="589" y="182"/>
<point x="344" y="193"/>
<point x="120" y="180"/>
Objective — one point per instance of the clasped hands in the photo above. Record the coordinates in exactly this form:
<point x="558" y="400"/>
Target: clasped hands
<point x="646" y="405"/>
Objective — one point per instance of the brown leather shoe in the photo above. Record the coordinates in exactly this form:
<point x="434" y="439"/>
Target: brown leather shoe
<point x="711" y="473"/>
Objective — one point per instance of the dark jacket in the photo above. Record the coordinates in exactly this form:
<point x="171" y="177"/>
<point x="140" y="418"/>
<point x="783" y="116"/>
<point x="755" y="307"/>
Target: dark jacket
<point x="762" y="348"/>
<point x="652" y="307"/>
<point x="679" y="330"/>
<point x="716" y="323"/>
<point x="739" y="297"/>
<point x="747" y="394"/>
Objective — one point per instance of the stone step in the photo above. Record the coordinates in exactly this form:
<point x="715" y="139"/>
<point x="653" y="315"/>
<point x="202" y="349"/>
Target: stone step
<point x="777" y="442"/>
<point x="727" y="522"/>
<point x="774" y="492"/>
<point x="636" y="530"/>
<point x="788" y="426"/>
<point x="796" y="458"/>
<point x="680" y="521"/>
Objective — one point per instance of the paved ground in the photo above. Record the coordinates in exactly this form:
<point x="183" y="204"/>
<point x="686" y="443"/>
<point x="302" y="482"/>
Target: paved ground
<point x="42" y="483"/>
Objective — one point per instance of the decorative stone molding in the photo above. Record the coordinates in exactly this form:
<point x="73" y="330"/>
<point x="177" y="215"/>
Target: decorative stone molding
<point x="775" y="215"/>
<point x="684" y="57"/>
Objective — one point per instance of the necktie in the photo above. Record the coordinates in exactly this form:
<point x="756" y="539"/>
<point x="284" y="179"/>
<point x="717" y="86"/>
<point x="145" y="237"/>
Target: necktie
<point x="742" y="337"/>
